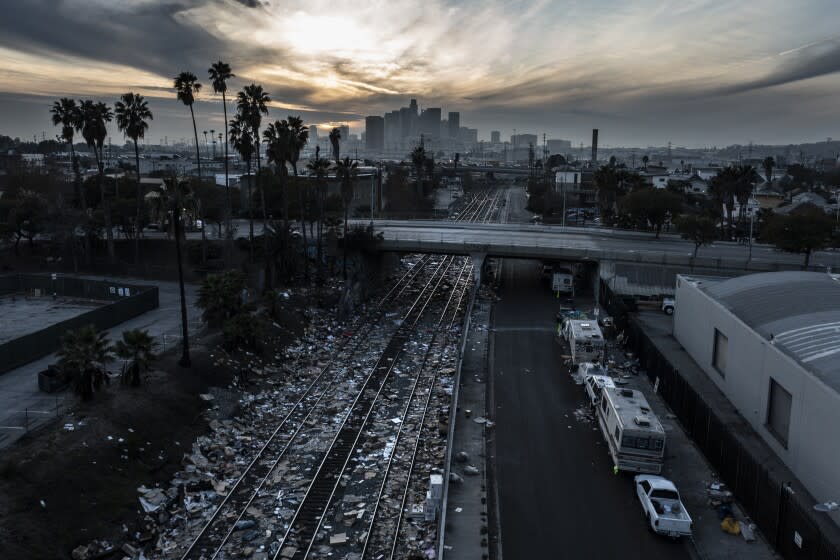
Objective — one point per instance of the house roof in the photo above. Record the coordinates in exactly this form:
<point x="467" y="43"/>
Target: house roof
<point x="796" y="311"/>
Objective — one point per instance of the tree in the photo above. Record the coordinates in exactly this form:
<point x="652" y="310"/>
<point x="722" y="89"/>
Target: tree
<point x="347" y="171"/>
<point x="418" y="160"/>
<point x="277" y="137"/>
<point x="243" y="330"/>
<point x="805" y="231"/>
<point x="252" y="104"/>
<point x="699" y="229"/>
<point x="645" y="160"/>
<point x="186" y="87"/>
<point x="769" y="163"/>
<point x="298" y="137"/>
<point x="132" y="112"/>
<point x="82" y="357"/>
<point x="27" y="217"/>
<point x="179" y="190"/>
<point x="651" y="207"/>
<point x="93" y="124"/>
<point x="335" y="142"/>
<point x="66" y="113"/>
<point x="319" y="168"/>
<point x="220" y="297"/>
<point x="244" y="143"/>
<point x="220" y="73"/>
<point x="137" y="346"/>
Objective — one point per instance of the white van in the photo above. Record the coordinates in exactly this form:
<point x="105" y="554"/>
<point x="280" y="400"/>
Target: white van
<point x="586" y="341"/>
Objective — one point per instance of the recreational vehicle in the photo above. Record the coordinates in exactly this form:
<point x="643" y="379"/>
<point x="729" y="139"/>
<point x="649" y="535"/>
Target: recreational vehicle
<point x="586" y="341"/>
<point x="633" y="433"/>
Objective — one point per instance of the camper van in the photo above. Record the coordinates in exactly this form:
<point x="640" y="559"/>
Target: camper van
<point x="562" y="281"/>
<point x="633" y="433"/>
<point x="586" y="341"/>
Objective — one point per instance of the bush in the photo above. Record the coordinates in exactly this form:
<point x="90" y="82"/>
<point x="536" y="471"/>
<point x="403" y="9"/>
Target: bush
<point x="243" y="331"/>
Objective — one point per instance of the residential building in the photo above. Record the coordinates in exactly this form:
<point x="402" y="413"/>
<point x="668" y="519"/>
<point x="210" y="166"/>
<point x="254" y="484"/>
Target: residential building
<point x="771" y="343"/>
<point x="495" y="136"/>
<point x="374" y="134"/>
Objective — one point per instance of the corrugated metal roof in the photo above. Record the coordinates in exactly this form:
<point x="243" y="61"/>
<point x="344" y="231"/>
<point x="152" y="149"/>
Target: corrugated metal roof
<point x="798" y="312"/>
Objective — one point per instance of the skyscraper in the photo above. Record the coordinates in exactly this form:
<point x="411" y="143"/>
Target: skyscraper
<point x="345" y="133"/>
<point x="495" y="136"/>
<point x="392" y="130"/>
<point x="374" y="133"/>
<point x="454" y="125"/>
<point x="313" y="133"/>
<point x="430" y="122"/>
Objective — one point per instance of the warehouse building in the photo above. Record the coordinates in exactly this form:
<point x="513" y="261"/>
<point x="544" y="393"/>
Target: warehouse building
<point x="771" y="344"/>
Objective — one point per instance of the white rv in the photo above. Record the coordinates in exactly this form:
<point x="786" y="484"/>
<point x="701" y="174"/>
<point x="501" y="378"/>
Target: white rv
<point x="586" y="341"/>
<point x="633" y="433"/>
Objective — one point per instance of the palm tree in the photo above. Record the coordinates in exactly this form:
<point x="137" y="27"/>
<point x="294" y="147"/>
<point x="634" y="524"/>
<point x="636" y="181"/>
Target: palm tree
<point x="252" y="103"/>
<point x="645" y="160"/>
<point x="186" y="86"/>
<point x="178" y="191"/>
<point x="93" y="124"/>
<point x="65" y="112"/>
<point x="769" y="163"/>
<point x="219" y="75"/>
<point x="137" y="346"/>
<point x="277" y="137"/>
<point x="298" y="137"/>
<point x="335" y="140"/>
<point x="82" y="357"/>
<point x="319" y="168"/>
<point x="418" y="159"/>
<point x="242" y="141"/>
<point x="347" y="171"/>
<point x="132" y="112"/>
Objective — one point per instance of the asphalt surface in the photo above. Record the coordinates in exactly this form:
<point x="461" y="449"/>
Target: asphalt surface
<point x="558" y="497"/>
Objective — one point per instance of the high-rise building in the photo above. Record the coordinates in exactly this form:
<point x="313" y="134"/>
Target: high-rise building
<point x="495" y="136"/>
<point x="374" y="134"/>
<point x="345" y="132"/>
<point x="313" y="133"/>
<point x="405" y="122"/>
<point x="559" y="146"/>
<point x="454" y="124"/>
<point x="469" y="136"/>
<point x="392" y="130"/>
<point x="429" y="122"/>
<point x="523" y="140"/>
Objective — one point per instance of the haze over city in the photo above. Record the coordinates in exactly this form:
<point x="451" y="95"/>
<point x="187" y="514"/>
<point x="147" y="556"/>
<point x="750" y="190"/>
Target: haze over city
<point x="695" y="73"/>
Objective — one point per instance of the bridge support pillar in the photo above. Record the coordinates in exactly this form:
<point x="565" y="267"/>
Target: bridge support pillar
<point x="478" y="264"/>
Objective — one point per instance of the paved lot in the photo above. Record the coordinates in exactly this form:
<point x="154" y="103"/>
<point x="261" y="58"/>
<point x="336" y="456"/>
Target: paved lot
<point x="22" y="314"/>
<point x="19" y="387"/>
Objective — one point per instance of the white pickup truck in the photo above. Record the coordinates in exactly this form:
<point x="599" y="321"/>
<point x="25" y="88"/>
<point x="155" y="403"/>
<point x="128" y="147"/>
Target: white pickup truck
<point x="668" y="305"/>
<point x="665" y="512"/>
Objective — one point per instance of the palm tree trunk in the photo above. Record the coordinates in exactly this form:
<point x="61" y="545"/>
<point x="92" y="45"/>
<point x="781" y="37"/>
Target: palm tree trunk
<point x="250" y="212"/>
<point x="106" y="206"/>
<point x="302" y="222"/>
<point x="195" y="132"/>
<point x="185" y="342"/>
<point x="137" y="226"/>
<point x="320" y="230"/>
<point x="344" y="247"/>
<point x="259" y="182"/>
<point x="227" y="184"/>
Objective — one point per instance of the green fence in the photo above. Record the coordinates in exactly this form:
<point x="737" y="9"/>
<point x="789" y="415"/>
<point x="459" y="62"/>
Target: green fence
<point x="124" y="302"/>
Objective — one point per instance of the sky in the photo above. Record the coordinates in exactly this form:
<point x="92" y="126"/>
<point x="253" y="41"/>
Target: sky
<point x="645" y="72"/>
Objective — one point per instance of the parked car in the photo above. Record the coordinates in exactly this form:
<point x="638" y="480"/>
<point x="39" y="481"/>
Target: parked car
<point x="594" y="385"/>
<point x="668" y="305"/>
<point x="663" y="508"/>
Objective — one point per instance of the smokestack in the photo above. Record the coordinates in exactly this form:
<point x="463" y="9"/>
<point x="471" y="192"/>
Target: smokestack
<point x="594" y="147"/>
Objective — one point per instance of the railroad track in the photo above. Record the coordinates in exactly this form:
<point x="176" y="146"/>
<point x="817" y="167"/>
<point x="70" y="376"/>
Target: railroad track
<point x="217" y="537"/>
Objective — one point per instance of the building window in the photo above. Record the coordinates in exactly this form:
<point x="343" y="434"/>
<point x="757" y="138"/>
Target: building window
<point x="719" y="352"/>
<point x="778" y="412"/>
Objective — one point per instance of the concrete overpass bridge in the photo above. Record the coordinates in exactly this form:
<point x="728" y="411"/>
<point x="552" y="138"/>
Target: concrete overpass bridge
<point x="618" y="254"/>
<point x="500" y="170"/>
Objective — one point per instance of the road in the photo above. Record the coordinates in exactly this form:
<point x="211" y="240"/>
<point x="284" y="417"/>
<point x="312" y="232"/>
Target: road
<point x="557" y="495"/>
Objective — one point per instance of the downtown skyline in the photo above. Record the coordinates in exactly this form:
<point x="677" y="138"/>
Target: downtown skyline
<point x="696" y="73"/>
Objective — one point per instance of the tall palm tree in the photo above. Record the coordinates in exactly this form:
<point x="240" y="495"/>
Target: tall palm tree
<point x="298" y="137"/>
<point x="178" y="191"/>
<point x="252" y="103"/>
<point x="277" y="138"/>
<point x="242" y="141"/>
<point x="138" y="347"/>
<point x="93" y="122"/>
<point x="66" y="113"/>
<point x="220" y="73"/>
<point x="319" y="168"/>
<point x="186" y="86"/>
<point x="132" y="112"/>
<point x="335" y="141"/>
<point x="347" y="171"/>
<point x="418" y="159"/>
